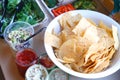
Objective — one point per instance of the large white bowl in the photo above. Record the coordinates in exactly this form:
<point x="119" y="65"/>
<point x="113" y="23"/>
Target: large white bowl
<point x="96" y="17"/>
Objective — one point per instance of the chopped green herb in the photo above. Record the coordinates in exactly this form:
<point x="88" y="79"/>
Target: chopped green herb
<point x="84" y="4"/>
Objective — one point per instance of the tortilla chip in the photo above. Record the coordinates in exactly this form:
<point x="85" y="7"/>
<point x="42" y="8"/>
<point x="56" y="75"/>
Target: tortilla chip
<point x="89" y="68"/>
<point x="66" y="34"/>
<point x="52" y="40"/>
<point x="91" y="34"/>
<point x="92" y="22"/>
<point x="115" y="36"/>
<point x="102" y="66"/>
<point x="106" y="28"/>
<point x="67" y="49"/>
<point x="82" y="26"/>
<point x="63" y="21"/>
<point x="104" y="43"/>
<point x="96" y="64"/>
<point x="73" y="20"/>
<point x="111" y="53"/>
<point x="75" y="67"/>
<point x="99" y="55"/>
<point x="68" y="60"/>
<point x="82" y="45"/>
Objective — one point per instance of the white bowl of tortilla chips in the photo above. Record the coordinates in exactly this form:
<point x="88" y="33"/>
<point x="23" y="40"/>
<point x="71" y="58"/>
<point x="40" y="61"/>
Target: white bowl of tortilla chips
<point x="84" y="43"/>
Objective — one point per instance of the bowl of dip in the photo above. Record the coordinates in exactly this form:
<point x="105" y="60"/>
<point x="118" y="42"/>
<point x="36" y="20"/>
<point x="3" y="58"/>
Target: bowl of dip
<point x="16" y="32"/>
<point x="58" y="74"/>
<point x="36" y="72"/>
<point x="24" y="59"/>
<point x="46" y="62"/>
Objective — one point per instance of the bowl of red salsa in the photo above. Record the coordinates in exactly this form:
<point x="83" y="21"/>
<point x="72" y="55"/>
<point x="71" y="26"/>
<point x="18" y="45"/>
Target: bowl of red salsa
<point x="46" y="62"/>
<point x="24" y="59"/>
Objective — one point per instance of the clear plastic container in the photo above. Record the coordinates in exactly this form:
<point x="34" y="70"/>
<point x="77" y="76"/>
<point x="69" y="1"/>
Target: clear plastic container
<point x="17" y="31"/>
<point x="46" y="62"/>
<point x="24" y="59"/>
<point x="57" y="74"/>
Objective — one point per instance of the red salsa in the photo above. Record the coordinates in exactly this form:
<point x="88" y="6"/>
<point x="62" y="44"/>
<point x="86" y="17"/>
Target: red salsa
<point x="25" y="59"/>
<point x="62" y="9"/>
<point x="46" y="62"/>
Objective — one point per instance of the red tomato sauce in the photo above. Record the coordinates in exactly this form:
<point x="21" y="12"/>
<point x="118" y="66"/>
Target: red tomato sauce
<point x="62" y="9"/>
<point x="25" y="59"/>
<point x="46" y="62"/>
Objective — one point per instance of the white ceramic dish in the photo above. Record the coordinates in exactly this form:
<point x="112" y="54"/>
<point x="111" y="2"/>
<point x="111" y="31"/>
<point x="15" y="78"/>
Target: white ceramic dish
<point x="57" y="74"/>
<point x="96" y="17"/>
<point x="36" y="72"/>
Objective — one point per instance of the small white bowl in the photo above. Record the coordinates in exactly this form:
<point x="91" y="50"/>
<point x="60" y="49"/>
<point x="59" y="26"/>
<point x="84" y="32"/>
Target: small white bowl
<point x="57" y="74"/>
<point x="96" y="17"/>
<point x="36" y="72"/>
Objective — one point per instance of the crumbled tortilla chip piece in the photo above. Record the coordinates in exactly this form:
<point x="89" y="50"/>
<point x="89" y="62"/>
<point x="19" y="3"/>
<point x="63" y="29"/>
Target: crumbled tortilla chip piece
<point x="68" y="66"/>
<point x="68" y="60"/>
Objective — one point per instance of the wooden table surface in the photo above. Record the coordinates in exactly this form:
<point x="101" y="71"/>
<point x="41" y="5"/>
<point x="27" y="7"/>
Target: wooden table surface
<point x="7" y="55"/>
<point x="7" y="62"/>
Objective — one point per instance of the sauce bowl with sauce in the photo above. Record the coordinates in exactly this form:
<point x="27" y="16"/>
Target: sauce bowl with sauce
<point x="16" y="32"/>
<point x="36" y="72"/>
<point x="24" y="59"/>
